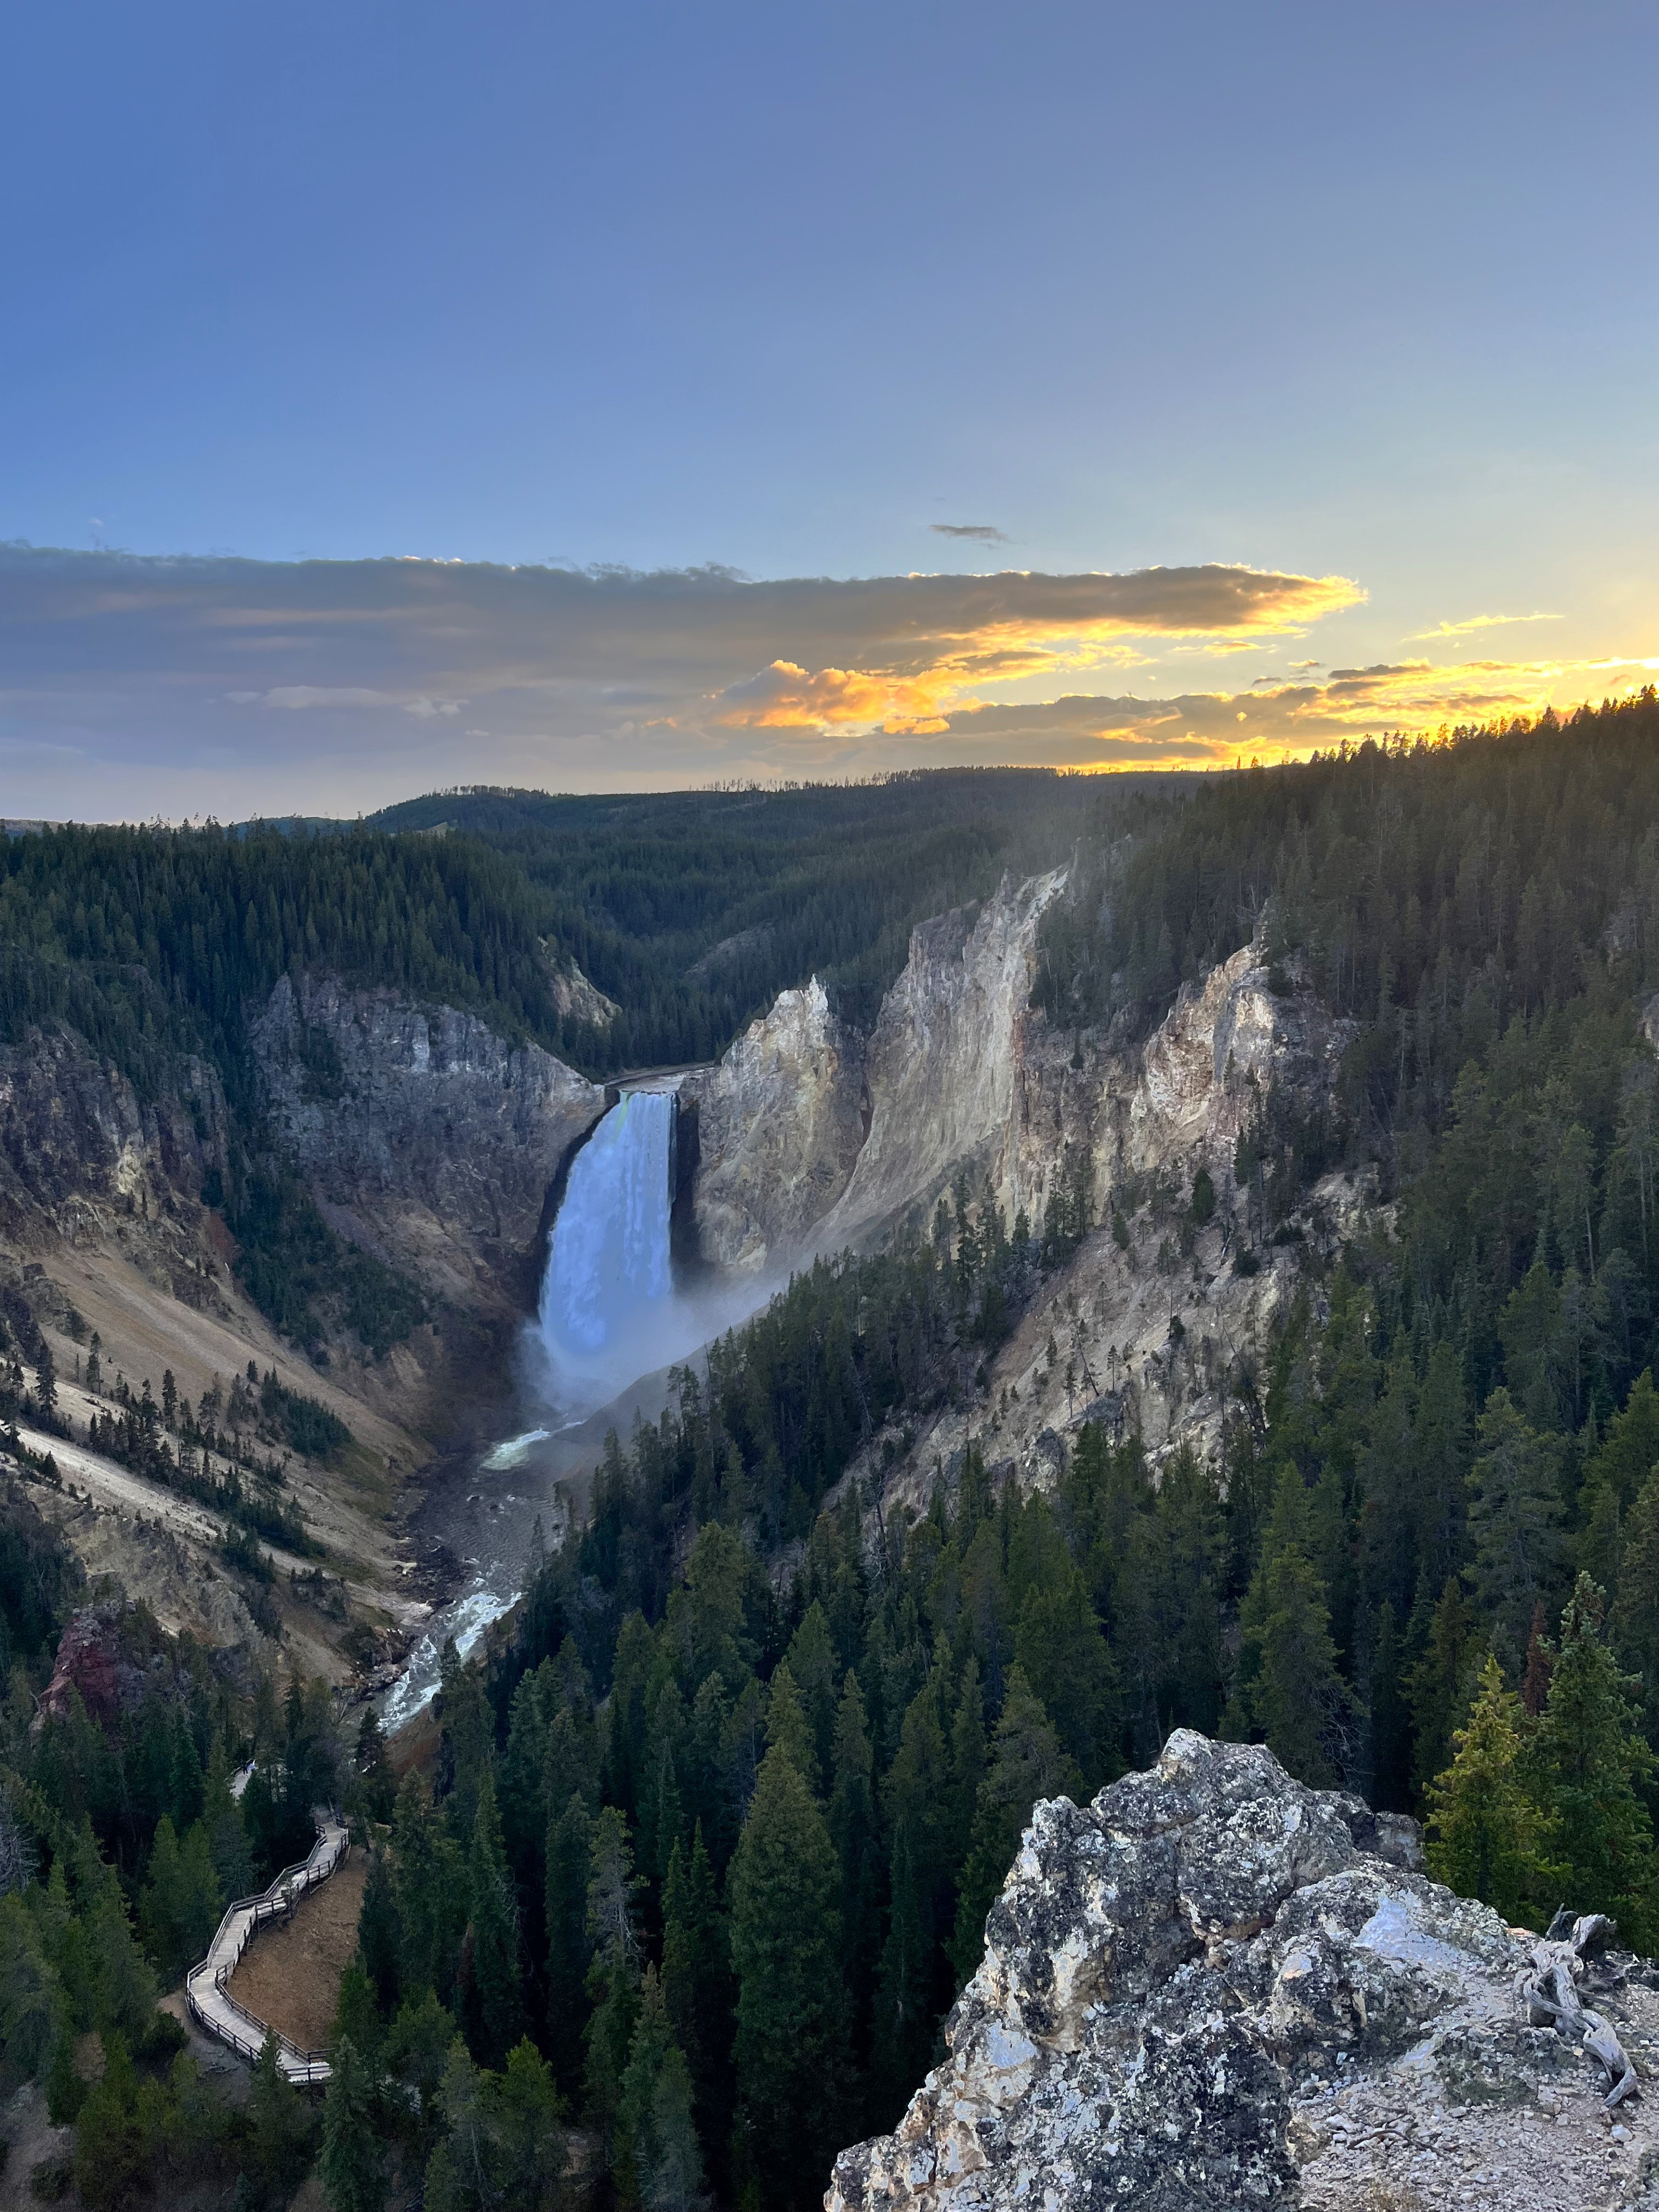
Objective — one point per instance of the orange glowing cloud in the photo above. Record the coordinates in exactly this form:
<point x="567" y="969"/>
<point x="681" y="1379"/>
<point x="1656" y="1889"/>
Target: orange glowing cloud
<point x="786" y="696"/>
<point x="946" y="636"/>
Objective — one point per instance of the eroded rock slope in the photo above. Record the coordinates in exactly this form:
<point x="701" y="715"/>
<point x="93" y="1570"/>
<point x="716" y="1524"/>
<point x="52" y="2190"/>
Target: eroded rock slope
<point x="1214" y="1987"/>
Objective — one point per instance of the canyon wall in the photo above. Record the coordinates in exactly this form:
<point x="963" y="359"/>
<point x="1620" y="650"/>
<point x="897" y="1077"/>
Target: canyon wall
<point x="426" y="1137"/>
<point x="781" y="1122"/>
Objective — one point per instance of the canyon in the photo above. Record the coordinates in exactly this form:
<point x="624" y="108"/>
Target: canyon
<point x="429" y="1141"/>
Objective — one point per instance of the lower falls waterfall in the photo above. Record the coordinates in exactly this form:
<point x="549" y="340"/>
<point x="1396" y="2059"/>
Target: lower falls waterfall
<point x="610" y="1320"/>
<point x="607" y="1259"/>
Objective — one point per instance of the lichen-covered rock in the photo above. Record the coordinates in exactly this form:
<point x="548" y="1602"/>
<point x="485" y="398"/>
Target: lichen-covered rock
<point x="1177" y="1978"/>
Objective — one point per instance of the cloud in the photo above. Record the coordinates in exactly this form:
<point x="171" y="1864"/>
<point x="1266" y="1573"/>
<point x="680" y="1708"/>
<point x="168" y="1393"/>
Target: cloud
<point x="296" y="698"/>
<point x="324" y="686"/>
<point x="1474" y="623"/>
<point x="1287" y="719"/>
<point x="786" y="696"/>
<point x="987" y="533"/>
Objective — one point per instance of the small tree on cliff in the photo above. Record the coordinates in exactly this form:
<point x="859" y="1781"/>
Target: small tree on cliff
<point x="1486" y="1836"/>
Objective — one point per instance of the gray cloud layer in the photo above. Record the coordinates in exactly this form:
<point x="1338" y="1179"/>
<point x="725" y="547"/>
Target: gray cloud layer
<point x="190" y="683"/>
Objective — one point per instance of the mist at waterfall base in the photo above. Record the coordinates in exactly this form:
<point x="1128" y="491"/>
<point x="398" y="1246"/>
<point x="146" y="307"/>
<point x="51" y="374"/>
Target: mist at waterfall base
<point x="611" y="1321"/>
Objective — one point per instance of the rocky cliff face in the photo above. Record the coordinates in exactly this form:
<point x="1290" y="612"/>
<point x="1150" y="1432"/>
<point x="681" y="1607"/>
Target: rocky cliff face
<point x="810" y="1136"/>
<point x="1179" y="1100"/>
<point x="1213" y="1987"/>
<point x="780" y="1124"/>
<point x="960" y="1076"/>
<point x="83" y="1159"/>
<point x="945" y="1064"/>
<point x="427" y="1137"/>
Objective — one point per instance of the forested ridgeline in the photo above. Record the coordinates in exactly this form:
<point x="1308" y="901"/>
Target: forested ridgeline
<point x="694" y="909"/>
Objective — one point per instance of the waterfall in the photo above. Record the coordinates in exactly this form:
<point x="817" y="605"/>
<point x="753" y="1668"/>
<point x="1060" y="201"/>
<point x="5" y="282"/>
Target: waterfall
<point x="607" y="1261"/>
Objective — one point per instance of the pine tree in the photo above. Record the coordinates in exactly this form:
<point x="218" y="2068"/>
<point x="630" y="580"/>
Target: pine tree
<point x="902" y="2026"/>
<point x="1301" y="1702"/>
<point x="351" y="2164"/>
<point x="376" y="1779"/>
<point x="118" y="2135"/>
<point x="968" y="1753"/>
<point x="417" y="2047"/>
<point x="431" y="1892"/>
<point x="1026" y="1764"/>
<point x="527" y="2118"/>
<point x="222" y="1818"/>
<point x="811" y="1660"/>
<point x="467" y="1750"/>
<point x="356" y="2015"/>
<point x="497" y="2008"/>
<point x="1440" y="1684"/>
<point x="785" y="1945"/>
<point x="855" y="1834"/>
<point x="34" y="2008"/>
<point x="696" y="1981"/>
<point x="1514" y="1524"/>
<point x="381" y="1935"/>
<point x="786" y="1727"/>
<point x="1591" y="1758"/>
<point x="613" y="1978"/>
<point x="657" y="2142"/>
<point x="164" y="1906"/>
<point x="569" y="1860"/>
<point x="124" y="1990"/>
<point x="1486" y="1837"/>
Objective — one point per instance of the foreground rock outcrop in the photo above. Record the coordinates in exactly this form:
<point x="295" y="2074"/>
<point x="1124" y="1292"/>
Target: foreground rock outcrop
<point x="1214" y="1987"/>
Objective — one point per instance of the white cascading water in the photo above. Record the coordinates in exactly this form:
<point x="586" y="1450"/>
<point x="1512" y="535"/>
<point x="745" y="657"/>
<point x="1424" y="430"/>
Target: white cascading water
<point x="607" y="1260"/>
<point x="608" y="1316"/>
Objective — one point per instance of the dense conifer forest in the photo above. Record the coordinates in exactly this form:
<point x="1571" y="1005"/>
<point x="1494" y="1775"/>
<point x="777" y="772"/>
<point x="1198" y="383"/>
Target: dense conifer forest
<point x="713" y="1824"/>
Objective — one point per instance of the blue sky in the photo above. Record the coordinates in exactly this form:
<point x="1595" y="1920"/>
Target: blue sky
<point x="1365" y="295"/>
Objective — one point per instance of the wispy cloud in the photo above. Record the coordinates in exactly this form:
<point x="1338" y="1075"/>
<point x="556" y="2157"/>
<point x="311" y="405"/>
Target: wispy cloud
<point x="986" y="533"/>
<point x="298" y="698"/>
<point x="1472" y="622"/>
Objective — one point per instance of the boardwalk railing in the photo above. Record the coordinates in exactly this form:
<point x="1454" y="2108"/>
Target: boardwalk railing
<point x="210" y="2000"/>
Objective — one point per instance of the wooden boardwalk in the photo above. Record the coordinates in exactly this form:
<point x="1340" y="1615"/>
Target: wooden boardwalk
<point x="211" y="2002"/>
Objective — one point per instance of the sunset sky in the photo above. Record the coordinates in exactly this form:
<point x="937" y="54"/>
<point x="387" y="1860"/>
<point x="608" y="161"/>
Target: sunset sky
<point x="607" y="398"/>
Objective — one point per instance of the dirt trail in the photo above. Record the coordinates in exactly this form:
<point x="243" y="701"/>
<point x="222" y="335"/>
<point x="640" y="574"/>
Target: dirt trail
<point x="289" y="1975"/>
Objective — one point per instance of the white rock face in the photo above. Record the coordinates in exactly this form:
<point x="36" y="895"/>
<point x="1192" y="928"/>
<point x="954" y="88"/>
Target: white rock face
<point x="427" y="1138"/>
<point x="1214" y="1987"/>
<point x="779" y="1122"/>
<point x="945" y="1063"/>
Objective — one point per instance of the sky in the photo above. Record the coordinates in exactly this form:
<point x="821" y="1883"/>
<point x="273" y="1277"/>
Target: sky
<point x="635" y="396"/>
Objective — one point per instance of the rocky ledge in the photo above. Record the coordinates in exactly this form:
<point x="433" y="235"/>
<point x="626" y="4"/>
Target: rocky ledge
<point x="1215" y="1987"/>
